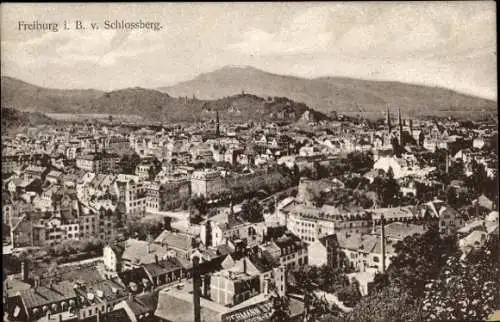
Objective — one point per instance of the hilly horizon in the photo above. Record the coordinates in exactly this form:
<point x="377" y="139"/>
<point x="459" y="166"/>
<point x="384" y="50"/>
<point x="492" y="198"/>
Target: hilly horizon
<point x="341" y="94"/>
<point x="149" y="104"/>
<point x="236" y="89"/>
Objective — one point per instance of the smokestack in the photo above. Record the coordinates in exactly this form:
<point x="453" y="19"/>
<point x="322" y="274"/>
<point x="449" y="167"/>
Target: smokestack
<point x="98" y="317"/>
<point x="382" y="222"/>
<point x="196" y="289"/>
<point x="156" y="259"/>
<point x="388" y="120"/>
<point x="244" y="265"/>
<point x="24" y="271"/>
<point x="400" y="133"/>
<point x="447" y="162"/>
<point x="328" y="259"/>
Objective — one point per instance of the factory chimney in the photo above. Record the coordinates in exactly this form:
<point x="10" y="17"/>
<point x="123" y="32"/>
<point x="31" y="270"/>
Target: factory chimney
<point x="24" y="271"/>
<point x="217" y="125"/>
<point x="196" y="288"/>
<point x="447" y="160"/>
<point x="382" y="222"/>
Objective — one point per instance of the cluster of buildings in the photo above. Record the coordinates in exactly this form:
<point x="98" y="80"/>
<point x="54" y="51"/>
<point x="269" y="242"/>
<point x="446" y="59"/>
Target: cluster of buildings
<point x="85" y="183"/>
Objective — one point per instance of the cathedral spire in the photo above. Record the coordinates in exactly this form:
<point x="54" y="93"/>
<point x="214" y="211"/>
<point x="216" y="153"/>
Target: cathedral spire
<point x="388" y="120"/>
<point x="217" y="130"/>
<point x="400" y="124"/>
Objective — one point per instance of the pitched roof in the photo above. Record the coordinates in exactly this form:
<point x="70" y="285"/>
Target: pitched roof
<point x="136" y="251"/>
<point x="175" y="240"/>
<point x="178" y="307"/>
<point x="135" y="275"/>
<point x="143" y="304"/>
<point x="475" y="237"/>
<point x="406" y="211"/>
<point x="330" y="238"/>
<point x="112" y="316"/>
<point x="12" y="286"/>
<point x="44" y="295"/>
<point x="398" y="230"/>
<point x="484" y="201"/>
<point x="55" y="173"/>
<point x="37" y="169"/>
<point x="162" y="267"/>
<point x="105" y="289"/>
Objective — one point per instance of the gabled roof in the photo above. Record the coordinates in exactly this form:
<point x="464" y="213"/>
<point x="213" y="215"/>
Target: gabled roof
<point x="398" y="230"/>
<point x="143" y="304"/>
<point x="178" y="306"/>
<point x="106" y="289"/>
<point x="112" y="316"/>
<point x="55" y="174"/>
<point x="163" y="267"/>
<point x="135" y="275"/>
<point x="12" y="286"/>
<point x="329" y="238"/>
<point x="179" y="241"/>
<point x="44" y="295"/>
<point x="35" y="169"/>
<point x="484" y="201"/>
<point x="137" y="251"/>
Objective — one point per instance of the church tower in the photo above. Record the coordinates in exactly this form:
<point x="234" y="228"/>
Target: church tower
<point x="217" y="124"/>
<point x="388" y="120"/>
<point x="400" y="124"/>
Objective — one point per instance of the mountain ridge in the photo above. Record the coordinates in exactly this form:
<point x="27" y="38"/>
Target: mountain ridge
<point x="324" y="94"/>
<point x="328" y="93"/>
<point x="150" y="104"/>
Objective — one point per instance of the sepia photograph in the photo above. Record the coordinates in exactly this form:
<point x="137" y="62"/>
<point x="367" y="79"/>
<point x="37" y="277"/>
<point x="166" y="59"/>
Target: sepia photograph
<point x="250" y="161"/>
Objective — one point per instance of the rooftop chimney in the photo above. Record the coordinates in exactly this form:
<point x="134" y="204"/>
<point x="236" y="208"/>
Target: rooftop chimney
<point x="24" y="271"/>
<point x="196" y="289"/>
<point x="156" y="259"/>
<point x="382" y="222"/>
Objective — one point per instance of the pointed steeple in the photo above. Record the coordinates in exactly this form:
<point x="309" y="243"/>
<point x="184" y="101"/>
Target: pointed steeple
<point x="400" y="124"/>
<point x="217" y="130"/>
<point x="388" y="120"/>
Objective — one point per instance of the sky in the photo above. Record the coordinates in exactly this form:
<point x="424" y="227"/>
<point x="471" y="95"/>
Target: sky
<point x="446" y="44"/>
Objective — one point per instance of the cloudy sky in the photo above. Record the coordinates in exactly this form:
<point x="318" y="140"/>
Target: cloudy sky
<point x="448" y="44"/>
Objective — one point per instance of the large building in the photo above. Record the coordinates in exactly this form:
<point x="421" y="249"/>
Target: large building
<point x="230" y="287"/>
<point x="99" y="162"/>
<point x="168" y="195"/>
<point x="207" y="182"/>
<point x="311" y="223"/>
<point x="133" y="193"/>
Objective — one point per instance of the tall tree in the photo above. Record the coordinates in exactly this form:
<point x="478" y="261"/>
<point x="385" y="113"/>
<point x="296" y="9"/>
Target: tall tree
<point x="252" y="210"/>
<point x="280" y="305"/>
<point x="315" y="308"/>
<point x="466" y="289"/>
<point x="390" y="304"/>
<point x="419" y="258"/>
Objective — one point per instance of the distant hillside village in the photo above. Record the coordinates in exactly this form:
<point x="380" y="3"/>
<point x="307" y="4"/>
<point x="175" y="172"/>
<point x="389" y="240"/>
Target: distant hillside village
<point x="318" y="219"/>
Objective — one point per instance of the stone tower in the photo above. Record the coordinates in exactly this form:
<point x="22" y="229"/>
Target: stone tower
<point x="400" y="132"/>
<point x="217" y="124"/>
